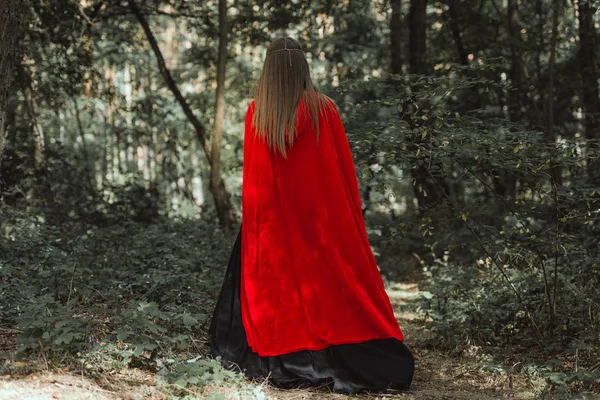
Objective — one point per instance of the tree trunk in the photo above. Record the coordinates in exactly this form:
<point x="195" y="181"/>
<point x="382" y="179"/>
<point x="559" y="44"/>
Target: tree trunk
<point x="589" y="77"/>
<point x="540" y="45"/>
<point x="505" y="183"/>
<point x="417" y="42"/>
<point x="555" y="170"/>
<point x="10" y="21"/>
<point x="219" y="192"/>
<point x="396" y="36"/>
<point x="88" y="162"/>
<point x="463" y="56"/>
<point x="471" y="99"/>
<point x="427" y="185"/>
<point x="514" y="40"/>
<point x="217" y="185"/>
<point x="36" y="134"/>
<point x="551" y="134"/>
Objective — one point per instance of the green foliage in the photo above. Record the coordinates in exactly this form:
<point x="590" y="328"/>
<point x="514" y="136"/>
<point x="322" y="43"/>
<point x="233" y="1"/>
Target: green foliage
<point x="127" y="294"/>
<point x="50" y="326"/>
<point x="198" y="373"/>
<point x="506" y="249"/>
<point x="195" y="372"/>
<point x="480" y="172"/>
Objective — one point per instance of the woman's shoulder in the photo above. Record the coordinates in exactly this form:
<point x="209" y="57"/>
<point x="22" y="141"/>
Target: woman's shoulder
<point x="324" y="104"/>
<point x="328" y="101"/>
<point x="250" y="109"/>
<point x="328" y="107"/>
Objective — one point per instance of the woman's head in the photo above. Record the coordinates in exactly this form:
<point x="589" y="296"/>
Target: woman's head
<point x="284" y="81"/>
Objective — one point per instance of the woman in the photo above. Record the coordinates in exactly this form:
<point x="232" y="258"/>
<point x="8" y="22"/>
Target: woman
<point x="303" y="302"/>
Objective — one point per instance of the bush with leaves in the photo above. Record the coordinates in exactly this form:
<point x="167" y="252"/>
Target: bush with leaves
<point x="127" y="294"/>
<point x="509" y="216"/>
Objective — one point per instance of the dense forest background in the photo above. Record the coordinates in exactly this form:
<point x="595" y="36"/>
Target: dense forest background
<point x="475" y="126"/>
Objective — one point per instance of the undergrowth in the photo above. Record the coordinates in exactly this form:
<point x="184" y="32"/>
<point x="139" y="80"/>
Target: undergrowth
<point x="129" y="295"/>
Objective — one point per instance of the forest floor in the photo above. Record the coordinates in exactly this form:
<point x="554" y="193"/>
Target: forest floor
<point x="439" y="374"/>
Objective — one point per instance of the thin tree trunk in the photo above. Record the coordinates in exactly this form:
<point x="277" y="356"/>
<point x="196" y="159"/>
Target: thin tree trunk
<point x="539" y="11"/>
<point x="88" y="162"/>
<point x="551" y="136"/>
<point x="453" y="11"/>
<point x="515" y="44"/>
<point x="223" y="205"/>
<point x="10" y="21"/>
<point x="425" y="186"/>
<point x="38" y="135"/>
<point x="105" y="117"/>
<point x="109" y="125"/>
<point x="504" y="182"/>
<point x="418" y="30"/>
<point x="166" y="74"/>
<point x="556" y="172"/>
<point x="396" y="41"/>
<point x="219" y="192"/>
<point x="589" y="78"/>
<point x="396" y="36"/>
<point x="470" y="101"/>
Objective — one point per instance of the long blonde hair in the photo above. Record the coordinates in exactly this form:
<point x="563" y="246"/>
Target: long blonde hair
<point x="283" y="83"/>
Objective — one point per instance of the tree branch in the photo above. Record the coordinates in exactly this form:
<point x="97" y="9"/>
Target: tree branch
<point x="489" y="255"/>
<point x="166" y="74"/>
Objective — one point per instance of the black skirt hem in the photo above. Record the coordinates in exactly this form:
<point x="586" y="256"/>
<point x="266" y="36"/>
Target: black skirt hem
<point x="371" y="366"/>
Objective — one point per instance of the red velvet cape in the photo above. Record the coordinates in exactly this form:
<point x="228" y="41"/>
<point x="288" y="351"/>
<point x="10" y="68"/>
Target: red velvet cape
<point x="309" y="278"/>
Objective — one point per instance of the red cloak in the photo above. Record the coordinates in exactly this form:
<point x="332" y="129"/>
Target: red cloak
<point x="309" y="278"/>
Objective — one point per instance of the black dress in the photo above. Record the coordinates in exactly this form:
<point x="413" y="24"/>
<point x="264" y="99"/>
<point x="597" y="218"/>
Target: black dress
<point x="372" y="366"/>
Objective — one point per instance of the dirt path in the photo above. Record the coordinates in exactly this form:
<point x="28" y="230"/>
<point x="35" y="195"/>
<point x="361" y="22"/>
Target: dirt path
<point x="438" y="375"/>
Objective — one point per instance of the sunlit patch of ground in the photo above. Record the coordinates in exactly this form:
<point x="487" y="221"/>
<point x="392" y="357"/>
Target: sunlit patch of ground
<point x="52" y="386"/>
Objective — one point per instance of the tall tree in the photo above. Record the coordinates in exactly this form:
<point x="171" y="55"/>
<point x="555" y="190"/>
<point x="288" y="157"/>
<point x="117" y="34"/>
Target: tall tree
<point x="418" y="34"/>
<point x="551" y="133"/>
<point x="453" y="11"/>
<point x="218" y="190"/>
<point x="396" y="36"/>
<point x="31" y="105"/>
<point x="505" y="182"/>
<point x="224" y="210"/>
<point x="427" y="186"/>
<point x="515" y="73"/>
<point x="10" y="21"/>
<point x="588" y="68"/>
